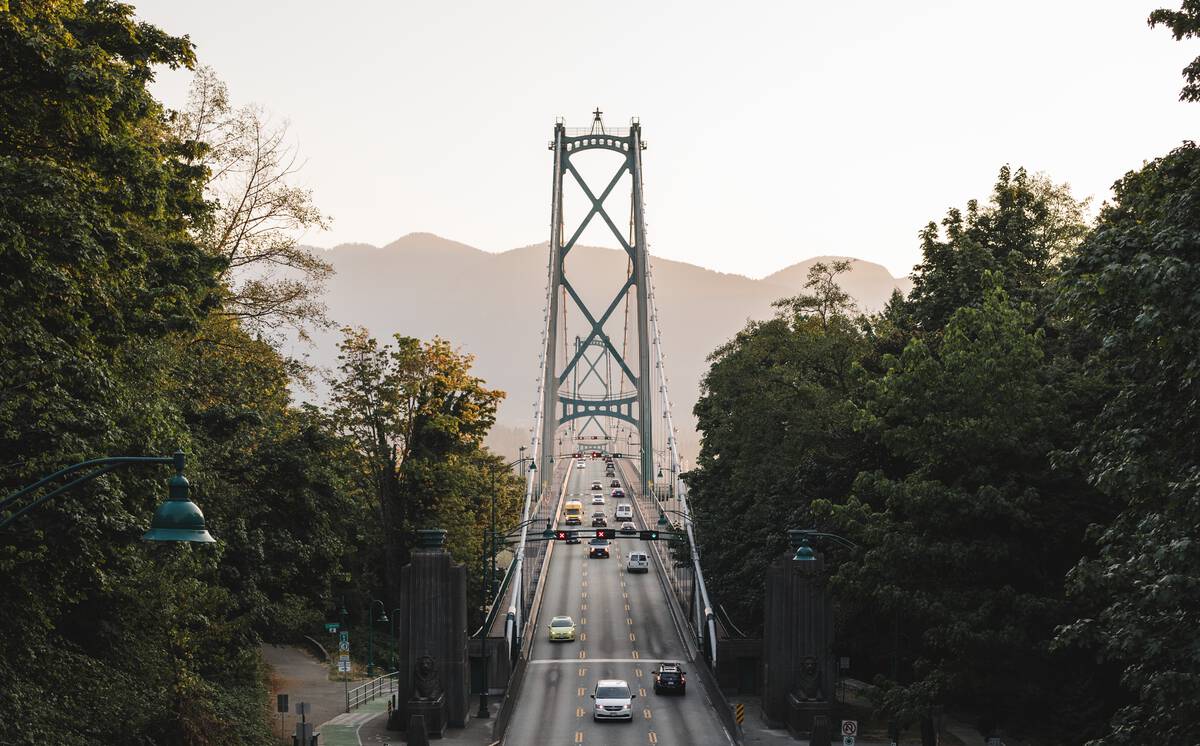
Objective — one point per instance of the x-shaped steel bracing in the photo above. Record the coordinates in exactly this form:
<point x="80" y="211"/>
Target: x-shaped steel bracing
<point x="597" y="326"/>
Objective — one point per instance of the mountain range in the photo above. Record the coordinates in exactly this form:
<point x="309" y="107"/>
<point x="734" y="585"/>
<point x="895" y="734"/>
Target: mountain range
<point x="491" y="306"/>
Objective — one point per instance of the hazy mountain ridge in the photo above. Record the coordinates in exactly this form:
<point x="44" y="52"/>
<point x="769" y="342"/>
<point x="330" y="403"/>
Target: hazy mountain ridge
<point x="491" y="305"/>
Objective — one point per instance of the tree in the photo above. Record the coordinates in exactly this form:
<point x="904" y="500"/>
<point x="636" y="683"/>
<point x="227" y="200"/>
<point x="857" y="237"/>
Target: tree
<point x="1020" y="235"/>
<point x="967" y="545"/>
<point x="413" y="412"/>
<point x="258" y="212"/>
<point x="777" y="434"/>
<point x="1184" y="24"/>
<point x="1133" y="286"/>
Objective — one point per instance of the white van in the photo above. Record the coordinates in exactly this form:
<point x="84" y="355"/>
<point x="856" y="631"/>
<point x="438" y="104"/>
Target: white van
<point x="624" y="512"/>
<point x="638" y="562"/>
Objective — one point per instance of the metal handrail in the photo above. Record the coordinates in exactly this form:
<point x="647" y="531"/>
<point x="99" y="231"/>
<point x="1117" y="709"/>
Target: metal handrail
<point x="490" y="619"/>
<point x="372" y="690"/>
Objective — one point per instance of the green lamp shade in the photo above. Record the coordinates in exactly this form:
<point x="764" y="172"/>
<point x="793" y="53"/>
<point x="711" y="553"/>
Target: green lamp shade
<point x="178" y="519"/>
<point x="804" y="553"/>
<point x="662" y="520"/>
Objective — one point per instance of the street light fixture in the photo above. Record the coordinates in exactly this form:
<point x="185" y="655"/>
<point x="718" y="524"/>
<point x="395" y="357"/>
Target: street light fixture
<point x="489" y="572"/>
<point x="395" y="642"/>
<point x="177" y="519"/>
<point x="383" y="617"/>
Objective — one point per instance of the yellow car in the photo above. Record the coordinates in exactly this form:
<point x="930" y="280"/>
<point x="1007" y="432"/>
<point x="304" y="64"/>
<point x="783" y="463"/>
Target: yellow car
<point x="562" y="629"/>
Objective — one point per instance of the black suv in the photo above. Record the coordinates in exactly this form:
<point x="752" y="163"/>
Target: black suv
<point x="670" y="677"/>
<point x="598" y="549"/>
<point x="598" y="519"/>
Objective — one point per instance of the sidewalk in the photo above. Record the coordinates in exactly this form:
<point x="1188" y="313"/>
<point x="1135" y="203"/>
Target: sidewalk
<point x="370" y="729"/>
<point x="304" y="679"/>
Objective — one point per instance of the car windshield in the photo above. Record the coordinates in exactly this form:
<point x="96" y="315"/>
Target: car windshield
<point x="561" y="623"/>
<point x="599" y="542"/>
<point x="612" y="692"/>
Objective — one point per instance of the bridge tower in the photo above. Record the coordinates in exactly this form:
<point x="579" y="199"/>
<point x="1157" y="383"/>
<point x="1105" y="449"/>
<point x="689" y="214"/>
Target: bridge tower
<point x="562" y="402"/>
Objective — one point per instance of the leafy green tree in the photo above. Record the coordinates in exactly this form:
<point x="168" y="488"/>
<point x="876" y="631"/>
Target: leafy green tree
<point x="1184" y="24"/>
<point x="777" y="434"/>
<point x="416" y="419"/>
<point x="967" y="547"/>
<point x="1133" y="285"/>
<point x="1027" y="227"/>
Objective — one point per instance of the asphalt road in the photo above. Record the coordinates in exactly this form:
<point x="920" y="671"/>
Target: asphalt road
<point x="623" y="631"/>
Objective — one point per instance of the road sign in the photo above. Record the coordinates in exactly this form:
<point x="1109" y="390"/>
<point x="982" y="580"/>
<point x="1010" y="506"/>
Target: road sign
<point x="739" y="711"/>
<point x="847" y="740"/>
<point x="303" y="708"/>
<point x="849" y="727"/>
<point x="344" y="664"/>
<point x="344" y="642"/>
<point x="281" y="703"/>
<point x="331" y="627"/>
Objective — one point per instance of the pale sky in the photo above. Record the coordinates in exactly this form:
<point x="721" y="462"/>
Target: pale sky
<point x="777" y="130"/>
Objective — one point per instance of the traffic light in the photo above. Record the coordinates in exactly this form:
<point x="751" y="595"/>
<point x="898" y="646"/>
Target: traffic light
<point x="606" y="533"/>
<point x="648" y="535"/>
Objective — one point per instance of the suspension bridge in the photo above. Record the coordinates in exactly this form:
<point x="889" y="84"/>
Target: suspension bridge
<point x="603" y="392"/>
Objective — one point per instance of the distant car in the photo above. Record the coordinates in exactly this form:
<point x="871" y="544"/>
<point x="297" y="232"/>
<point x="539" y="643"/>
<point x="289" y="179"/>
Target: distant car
<point x="580" y="464"/>
<point x="614" y="483"/>
<point x="572" y="537"/>
<point x="670" y="677"/>
<point x="624" y="512"/>
<point x="562" y="629"/>
<point x="638" y="562"/>
<point x="598" y="549"/>
<point x="596" y="486"/>
<point x="617" y="492"/>
<point x="597" y="499"/>
<point x="613" y="700"/>
<point x="628" y="528"/>
<point x="599" y="520"/>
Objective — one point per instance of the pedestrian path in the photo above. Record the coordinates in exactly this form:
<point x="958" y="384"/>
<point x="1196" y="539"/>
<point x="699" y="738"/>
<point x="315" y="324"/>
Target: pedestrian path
<point x="343" y="729"/>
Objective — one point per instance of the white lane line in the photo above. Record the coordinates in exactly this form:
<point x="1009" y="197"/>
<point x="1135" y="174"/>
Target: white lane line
<point x="575" y="661"/>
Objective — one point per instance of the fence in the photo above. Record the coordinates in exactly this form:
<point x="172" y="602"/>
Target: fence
<point x="371" y="690"/>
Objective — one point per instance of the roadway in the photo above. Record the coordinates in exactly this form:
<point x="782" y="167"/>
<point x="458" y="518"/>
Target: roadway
<point x="623" y="630"/>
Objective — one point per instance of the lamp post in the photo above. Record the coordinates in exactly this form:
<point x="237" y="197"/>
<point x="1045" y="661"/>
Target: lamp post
<point x="395" y="642"/>
<point x="176" y="519"/>
<point x="489" y="571"/>
<point x="371" y="633"/>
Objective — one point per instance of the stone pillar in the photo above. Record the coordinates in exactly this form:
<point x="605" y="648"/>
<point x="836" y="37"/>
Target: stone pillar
<point x="432" y="633"/>
<point x="798" y="661"/>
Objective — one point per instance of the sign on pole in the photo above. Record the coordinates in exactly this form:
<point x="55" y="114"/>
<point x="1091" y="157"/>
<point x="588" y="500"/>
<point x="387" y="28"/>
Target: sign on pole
<point x="281" y="703"/>
<point x="849" y="727"/>
<point x="344" y="664"/>
<point x="331" y="627"/>
<point x="344" y="642"/>
<point x="847" y="740"/>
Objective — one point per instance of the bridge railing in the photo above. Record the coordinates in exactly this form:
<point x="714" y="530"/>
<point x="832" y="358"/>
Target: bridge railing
<point x="702" y="618"/>
<point x="373" y="689"/>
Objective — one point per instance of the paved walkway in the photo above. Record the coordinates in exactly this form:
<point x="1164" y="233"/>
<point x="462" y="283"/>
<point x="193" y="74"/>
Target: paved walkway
<point x="304" y="679"/>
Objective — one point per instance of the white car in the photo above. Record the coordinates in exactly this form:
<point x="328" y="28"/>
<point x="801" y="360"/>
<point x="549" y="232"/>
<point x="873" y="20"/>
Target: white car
<point x="597" y="499"/>
<point x="613" y="700"/>
<point x="624" y="512"/>
<point x="638" y="562"/>
<point x="580" y="464"/>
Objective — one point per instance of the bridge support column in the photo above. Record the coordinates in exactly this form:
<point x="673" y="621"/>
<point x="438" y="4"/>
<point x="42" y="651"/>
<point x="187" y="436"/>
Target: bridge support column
<point x="798" y="659"/>
<point x="434" y="671"/>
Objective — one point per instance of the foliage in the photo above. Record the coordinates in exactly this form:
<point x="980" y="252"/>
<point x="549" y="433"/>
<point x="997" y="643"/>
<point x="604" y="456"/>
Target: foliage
<point x="1184" y="24"/>
<point x="416" y="419"/>
<point x="1019" y="236"/>
<point x="257" y="211"/>
<point x="1133" y="284"/>
<point x="777" y="434"/>
<point x="967" y="546"/>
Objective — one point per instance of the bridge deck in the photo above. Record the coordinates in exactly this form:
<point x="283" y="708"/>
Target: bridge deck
<point x="624" y="629"/>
